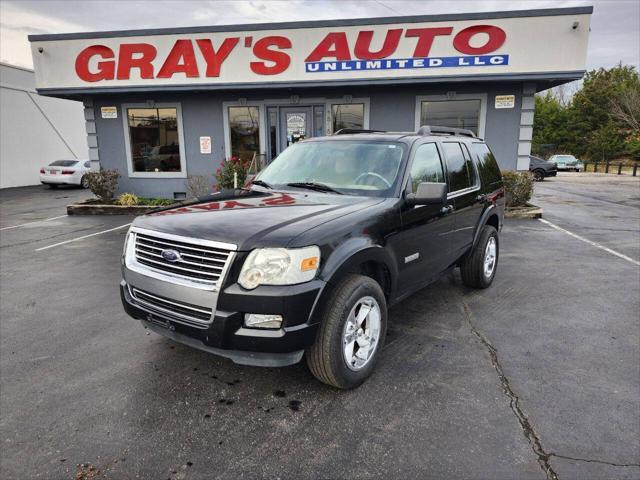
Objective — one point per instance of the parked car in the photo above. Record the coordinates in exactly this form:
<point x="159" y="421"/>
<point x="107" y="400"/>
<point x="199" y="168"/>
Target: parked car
<point x="308" y="259"/>
<point x="65" y="172"/>
<point x="542" y="168"/>
<point x="567" y="162"/>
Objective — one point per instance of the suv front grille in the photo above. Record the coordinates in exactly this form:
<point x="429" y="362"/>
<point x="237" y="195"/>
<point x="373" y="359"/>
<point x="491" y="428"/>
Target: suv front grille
<point x="178" y="311"/>
<point x="199" y="263"/>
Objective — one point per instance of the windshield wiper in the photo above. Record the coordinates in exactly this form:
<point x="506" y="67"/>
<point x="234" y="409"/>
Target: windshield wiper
<point x="261" y="183"/>
<point x="319" y="187"/>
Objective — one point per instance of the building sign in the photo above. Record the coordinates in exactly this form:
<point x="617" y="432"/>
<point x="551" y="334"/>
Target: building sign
<point x="205" y="145"/>
<point x="505" y="101"/>
<point x="109" y="112"/>
<point x="513" y="45"/>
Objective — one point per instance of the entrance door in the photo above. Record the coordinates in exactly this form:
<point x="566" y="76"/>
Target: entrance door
<point x="295" y="125"/>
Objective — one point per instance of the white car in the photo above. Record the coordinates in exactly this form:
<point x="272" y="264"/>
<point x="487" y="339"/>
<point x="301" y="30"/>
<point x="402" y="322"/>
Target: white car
<point x="567" y="162"/>
<point x="65" y="172"/>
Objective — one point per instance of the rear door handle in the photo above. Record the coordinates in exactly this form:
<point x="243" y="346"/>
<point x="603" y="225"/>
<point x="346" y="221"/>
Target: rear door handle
<point x="447" y="209"/>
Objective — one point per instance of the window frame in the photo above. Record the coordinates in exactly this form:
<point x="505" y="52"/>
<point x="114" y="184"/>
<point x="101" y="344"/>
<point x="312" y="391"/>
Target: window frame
<point x="459" y="96"/>
<point x="412" y="156"/>
<point x="183" y="158"/>
<point x="476" y="177"/>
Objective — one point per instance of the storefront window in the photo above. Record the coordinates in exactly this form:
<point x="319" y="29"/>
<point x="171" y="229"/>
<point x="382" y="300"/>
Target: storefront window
<point x="349" y="115"/>
<point x="451" y="113"/>
<point x="245" y="132"/>
<point x="155" y="143"/>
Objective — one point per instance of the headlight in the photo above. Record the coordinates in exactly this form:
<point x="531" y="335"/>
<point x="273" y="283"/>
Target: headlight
<point x="279" y="266"/>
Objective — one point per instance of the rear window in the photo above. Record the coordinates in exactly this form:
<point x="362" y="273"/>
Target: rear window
<point x="63" y="163"/>
<point x="487" y="164"/>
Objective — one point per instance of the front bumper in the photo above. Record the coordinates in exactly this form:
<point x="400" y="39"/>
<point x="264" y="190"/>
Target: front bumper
<point x="225" y="334"/>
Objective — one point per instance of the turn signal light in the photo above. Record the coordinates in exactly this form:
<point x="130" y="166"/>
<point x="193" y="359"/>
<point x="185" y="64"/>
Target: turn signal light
<point x="310" y="263"/>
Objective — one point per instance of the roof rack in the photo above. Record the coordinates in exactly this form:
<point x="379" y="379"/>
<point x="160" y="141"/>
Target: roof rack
<point x="431" y="129"/>
<point x="348" y="131"/>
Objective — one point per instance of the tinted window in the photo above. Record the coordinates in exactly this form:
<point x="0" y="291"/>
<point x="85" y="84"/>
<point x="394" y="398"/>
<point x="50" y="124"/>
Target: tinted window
<point x="245" y="132"/>
<point x="451" y="113"/>
<point x="349" y="115"/>
<point x="456" y="167"/>
<point x="155" y="143"/>
<point x="487" y="165"/>
<point x="473" y="177"/>
<point x="63" y="163"/>
<point x="426" y="166"/>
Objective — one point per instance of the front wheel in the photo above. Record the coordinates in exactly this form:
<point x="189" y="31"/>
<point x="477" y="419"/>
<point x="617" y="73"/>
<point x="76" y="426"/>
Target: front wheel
<point x="479" y="267"/>
<point x="351" y="334"/>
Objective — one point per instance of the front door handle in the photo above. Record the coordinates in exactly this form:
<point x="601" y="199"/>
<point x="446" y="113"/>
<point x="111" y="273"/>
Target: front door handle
<point x="447" y="209"/>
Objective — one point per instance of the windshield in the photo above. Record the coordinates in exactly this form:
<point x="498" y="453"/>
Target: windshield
<point x="564" y="157"/>
<point x="351" y="167"/>
<point x="63" y="163"/>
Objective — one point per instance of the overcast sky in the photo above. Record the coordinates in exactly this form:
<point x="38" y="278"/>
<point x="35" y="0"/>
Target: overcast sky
<point x="615" y="27"/>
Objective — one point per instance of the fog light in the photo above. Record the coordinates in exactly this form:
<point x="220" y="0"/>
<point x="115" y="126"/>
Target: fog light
<point x="255" y="320"/>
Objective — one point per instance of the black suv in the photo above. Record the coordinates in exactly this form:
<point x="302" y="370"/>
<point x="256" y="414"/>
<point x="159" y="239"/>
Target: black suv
<point x="310" y="256"/>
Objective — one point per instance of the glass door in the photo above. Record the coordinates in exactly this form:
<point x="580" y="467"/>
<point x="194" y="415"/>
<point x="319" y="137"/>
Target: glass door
<point x="290" y="124"/>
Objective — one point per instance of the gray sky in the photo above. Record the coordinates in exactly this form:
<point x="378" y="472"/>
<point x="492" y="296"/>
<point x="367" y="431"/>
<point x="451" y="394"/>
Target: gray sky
<point x="615" y="28"/>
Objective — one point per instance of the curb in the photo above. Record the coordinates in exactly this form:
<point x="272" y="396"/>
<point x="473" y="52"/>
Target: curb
<point x="97" y="209"/>
<point x="527" y="212"/>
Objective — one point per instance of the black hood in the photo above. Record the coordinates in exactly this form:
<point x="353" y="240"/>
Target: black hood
<point x="253" y="218"/>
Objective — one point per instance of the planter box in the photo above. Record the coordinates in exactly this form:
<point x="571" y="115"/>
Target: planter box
<point x="91" y="208"/>
<point x="528" y="211"/>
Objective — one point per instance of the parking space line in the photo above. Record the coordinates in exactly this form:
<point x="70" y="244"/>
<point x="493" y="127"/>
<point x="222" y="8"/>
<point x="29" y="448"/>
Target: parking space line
<point x="31" y="223"/>
<point x="82" y="237"/>
<point x="590" y="242"/>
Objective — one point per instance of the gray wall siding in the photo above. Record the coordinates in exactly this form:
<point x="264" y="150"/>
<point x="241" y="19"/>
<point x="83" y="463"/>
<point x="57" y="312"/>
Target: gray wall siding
<point x="391" y="108"/>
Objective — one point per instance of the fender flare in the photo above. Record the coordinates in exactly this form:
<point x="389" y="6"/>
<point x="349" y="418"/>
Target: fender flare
<point x="354" y="252"/>
<point x="490" y="210"/>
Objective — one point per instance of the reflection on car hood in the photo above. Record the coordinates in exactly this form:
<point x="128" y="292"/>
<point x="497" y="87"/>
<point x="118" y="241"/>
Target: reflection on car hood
<point x="252" y="218"/>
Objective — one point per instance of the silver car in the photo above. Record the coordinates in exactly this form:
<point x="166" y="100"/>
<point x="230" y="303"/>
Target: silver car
<point x="567" y="163"/>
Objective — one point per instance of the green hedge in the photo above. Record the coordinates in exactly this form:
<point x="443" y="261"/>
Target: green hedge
<point x="518" y="187"/>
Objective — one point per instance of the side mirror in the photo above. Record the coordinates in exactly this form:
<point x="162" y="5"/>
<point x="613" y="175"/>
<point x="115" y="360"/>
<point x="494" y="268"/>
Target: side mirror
<point x="428" y="193"/>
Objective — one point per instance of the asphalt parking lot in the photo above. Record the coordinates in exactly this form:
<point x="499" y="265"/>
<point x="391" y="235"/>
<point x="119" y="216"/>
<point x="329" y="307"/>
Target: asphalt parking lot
<point x="536" y="377"/>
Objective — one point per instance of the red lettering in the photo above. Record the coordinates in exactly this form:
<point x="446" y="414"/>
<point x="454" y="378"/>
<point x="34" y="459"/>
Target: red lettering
<point x="261" y="50"/>
<point x="181" y="59"/>
<point x="105" y="71"/>
<point x="283" y="199"/>
<point x="334" y="45"/>
<point x="208" y="206"/>
<point x="363" y="45"/>
<point x="126" y="61"/>
<point x="234" y="204"/>
<point x="425" y="38"/>
<point x="495" y="41"/>
<point x="215" y="59"/>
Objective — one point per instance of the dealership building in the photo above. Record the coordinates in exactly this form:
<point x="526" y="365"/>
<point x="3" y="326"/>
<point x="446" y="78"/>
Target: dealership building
<point x="165" y="104"/>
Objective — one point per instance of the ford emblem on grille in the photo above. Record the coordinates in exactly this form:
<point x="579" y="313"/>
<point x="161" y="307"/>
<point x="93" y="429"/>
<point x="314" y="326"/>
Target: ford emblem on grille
<point x="171" y="255"/>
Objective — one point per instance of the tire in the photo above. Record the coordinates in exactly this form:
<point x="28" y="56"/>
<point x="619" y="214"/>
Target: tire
<point x="84" y="182"/>
<point x="472" y="267"/>
<point x="327" y="357"/>
<point x="538" y="175"/>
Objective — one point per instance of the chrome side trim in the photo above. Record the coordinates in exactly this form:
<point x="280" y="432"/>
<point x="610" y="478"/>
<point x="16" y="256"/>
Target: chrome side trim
<point x="459" y="193"/>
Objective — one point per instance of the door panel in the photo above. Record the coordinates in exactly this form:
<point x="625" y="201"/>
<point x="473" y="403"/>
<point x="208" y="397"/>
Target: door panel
<point x="424" y="245"/>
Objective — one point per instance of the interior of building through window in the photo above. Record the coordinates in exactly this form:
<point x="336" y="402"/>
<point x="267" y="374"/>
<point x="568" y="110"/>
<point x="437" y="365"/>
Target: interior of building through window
<point x="245" y="132"/>
<point x="451" y="113"/>
<point x="155" y="143"/>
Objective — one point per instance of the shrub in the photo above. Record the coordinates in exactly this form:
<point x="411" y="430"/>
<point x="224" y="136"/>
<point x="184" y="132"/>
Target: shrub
<point x="103" y="184"/>
<point x="224" y="174"/>
<point x="198" y="185"/>
<point x="128" y="199"/>
<point x="518" y="187"/>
